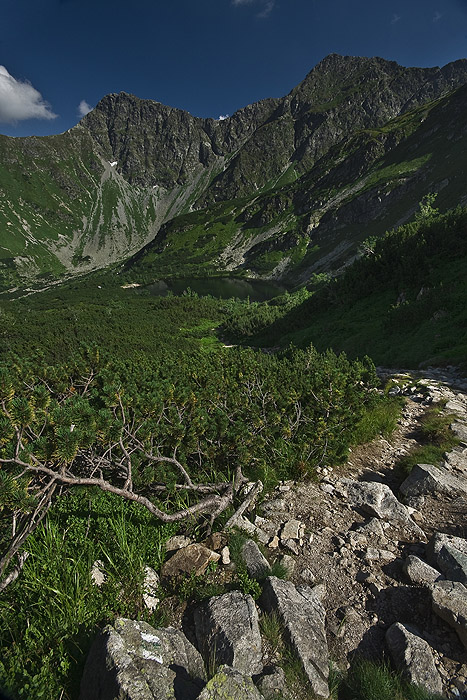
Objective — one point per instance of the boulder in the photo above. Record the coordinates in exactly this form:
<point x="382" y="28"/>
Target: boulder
<point x="449" y="601"/>
<point x="192" y="559"/>
<point x="132" y="660"/>
<point x="303" y="616"/>
<point x="256" y="564"/>
<point x="413" y="657"/>
<point x="227" y="632"/>
<point x="378" y="500"/>
<point x="449" y="554"/>
<point x="426" y="478"/>
<point x="229" y="684"/>
<point x="419" y="572"/>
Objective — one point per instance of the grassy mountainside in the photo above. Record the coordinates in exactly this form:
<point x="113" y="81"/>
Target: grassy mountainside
<point x="366" y="184"/>
<point x="275" y="188"/>
<point x="403" y="302"/>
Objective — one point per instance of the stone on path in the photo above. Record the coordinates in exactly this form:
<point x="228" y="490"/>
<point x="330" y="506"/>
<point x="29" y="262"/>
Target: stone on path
<point x="378" y="500"/>
<point x="449" y="554"/>
<point x="132" y="660"/>
<point x="427" y="478"/>
<point x="227" y="632"/>
<point x="194" y="558"/>
<point x="449" y="601"/>
<point x="413" y="657"/>
<point x="419" y="572"/>
<point x="303" y="616"/>
<point x="256" y="564"/>
<point x="229" y="684"/>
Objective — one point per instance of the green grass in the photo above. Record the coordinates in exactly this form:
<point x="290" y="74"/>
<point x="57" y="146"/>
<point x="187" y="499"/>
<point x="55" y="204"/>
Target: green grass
<point x="369" y="680"/>
<point x="438" y="438"/>
<point x="51" y="614"/>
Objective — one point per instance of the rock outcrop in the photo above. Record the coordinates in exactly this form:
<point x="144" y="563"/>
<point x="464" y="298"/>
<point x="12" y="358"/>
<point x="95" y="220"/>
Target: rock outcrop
<point x="303" y="616"/>
<point x="133" y="660"/>
<point x="227" y="631"/>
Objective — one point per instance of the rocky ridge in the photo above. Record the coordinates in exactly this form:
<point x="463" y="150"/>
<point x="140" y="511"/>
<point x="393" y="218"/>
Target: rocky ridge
<point x="272" y="171"/>
<point x="369" y="574"/>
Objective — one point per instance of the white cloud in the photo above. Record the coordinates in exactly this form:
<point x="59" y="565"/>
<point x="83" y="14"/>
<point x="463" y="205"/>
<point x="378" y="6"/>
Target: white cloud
<point x="437" y="16"/>
<point x="395" y="19"/>
<point x="266" y="6"/>
<point x="20" y="100"/>
<point x="221" y="117"/>
<point x="84" y="108"/>
<point x="267" y="9"/>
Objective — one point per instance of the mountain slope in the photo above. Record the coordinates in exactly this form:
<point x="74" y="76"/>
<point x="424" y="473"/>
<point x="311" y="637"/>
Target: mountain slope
<point x="103" y="190"/>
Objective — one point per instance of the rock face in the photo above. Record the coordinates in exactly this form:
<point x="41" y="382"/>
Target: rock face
<point x="133" y="660"/>
<point x="449" y="600"/>
<point x="303" y="616"/>
<point x="229" y="684"/>
<point x="227" y="631"/>
<point x="378" y="499"/>
<point x="412" y="656"/>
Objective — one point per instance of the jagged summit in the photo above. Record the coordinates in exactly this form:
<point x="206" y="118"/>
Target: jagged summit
<point x="291" y="172"/>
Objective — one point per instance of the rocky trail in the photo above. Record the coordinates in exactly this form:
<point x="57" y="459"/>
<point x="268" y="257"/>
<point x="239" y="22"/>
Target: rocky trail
<point x="377" y="566"/>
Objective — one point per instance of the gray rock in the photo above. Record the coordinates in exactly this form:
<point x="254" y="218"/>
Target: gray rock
<point x="378" y="500"/>
<point x="256" y="564"/>
<point x="151" y="588"/>
<point x="449" y="601"/>
<point x="303" y="617"/>
<point x="426" y="478"/>
<point x="371" y="529"/>
<point x="449" y="554"/>
<point x="460" y="431"/>
<point x="98" y="576"/>
<point x="273" y="685"/>
<point x="456" y="460"/>
<point x="291" y="530"/>
<point x="413" y="657"/>
<point x="419" y="572"/>
<point x="132" y="660"/>
<point x="229" y="684"/>
<point x="227" y="632"/>
<point x="247" y="526"/>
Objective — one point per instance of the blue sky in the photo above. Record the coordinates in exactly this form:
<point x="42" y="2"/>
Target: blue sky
<point x="209" y="57"/>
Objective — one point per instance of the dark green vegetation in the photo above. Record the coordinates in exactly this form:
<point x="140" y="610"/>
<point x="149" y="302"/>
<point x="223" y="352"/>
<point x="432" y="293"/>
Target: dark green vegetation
<point x="365" y="679"/>
<point x="285" y="187"/>
<point x="113" y="378"/>
<point x="403" y="302"/>
<point x="368" y="680"/>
